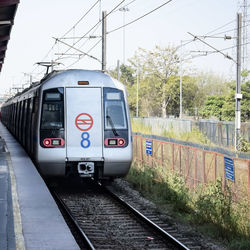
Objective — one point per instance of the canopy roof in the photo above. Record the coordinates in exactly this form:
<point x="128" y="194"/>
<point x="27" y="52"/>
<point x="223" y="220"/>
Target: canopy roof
<point x="7" y="14"/>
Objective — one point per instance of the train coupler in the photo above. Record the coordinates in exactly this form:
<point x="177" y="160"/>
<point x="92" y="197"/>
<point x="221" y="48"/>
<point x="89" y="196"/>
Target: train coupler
<point x="86" y="169"/>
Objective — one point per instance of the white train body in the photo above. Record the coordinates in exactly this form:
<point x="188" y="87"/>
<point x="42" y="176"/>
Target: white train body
<point x="76" y="121"/>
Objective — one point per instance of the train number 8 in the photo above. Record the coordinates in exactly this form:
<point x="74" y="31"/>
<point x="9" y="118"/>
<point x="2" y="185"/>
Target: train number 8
<point x="85" y="142"/>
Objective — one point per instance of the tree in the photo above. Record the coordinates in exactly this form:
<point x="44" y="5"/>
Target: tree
<point x="228" y="109"/>
<point x="157" y="68"/>
<point x="213" y="107"/>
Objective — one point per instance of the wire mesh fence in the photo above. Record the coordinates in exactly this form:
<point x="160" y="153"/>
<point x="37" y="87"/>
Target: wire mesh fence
<point x="195" y="163"/>
<point x="220" y="133"/>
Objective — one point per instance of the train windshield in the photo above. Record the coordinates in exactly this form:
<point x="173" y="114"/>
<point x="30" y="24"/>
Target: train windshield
<point x="52" y="109"/>
<point x="114" y="108"/>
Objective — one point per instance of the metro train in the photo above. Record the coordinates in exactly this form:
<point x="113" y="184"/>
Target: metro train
<point x="73" y="122"/>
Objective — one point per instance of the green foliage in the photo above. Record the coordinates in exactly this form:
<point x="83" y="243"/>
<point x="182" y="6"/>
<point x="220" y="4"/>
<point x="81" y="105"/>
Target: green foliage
<point x="228" y="109"/>
<point x="215" y="205"/>
<point x="158" y="69"/>
<point x="159" y="87"/>
<point x="211" y="206"/>
<point x="153" y="182"/>
<point x="213" y="107"/>
<point x="244" y="145"/>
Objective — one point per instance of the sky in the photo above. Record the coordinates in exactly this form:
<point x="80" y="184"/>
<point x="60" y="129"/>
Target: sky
<point x="37" y="22"/>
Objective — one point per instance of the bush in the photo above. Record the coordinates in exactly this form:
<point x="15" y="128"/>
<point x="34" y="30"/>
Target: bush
<point x="211" y="205"/>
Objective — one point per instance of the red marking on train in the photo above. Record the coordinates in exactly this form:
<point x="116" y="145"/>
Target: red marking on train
<point x="84" y="122"/>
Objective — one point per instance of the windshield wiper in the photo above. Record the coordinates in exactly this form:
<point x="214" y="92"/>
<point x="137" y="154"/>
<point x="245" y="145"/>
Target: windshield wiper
<point x="112" y="125"/>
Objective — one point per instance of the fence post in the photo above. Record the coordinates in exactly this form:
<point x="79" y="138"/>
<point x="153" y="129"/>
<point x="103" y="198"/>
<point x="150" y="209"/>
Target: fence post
<point x="204" y="166"/>
<point x="224" y="177"/>
<point x="173" y="156"/>
<point x="141" y="157"/>
<point x="136" y="147"/>
<point x="187" y="165"/>
<point x="152" y="156"/>
<point x="180" y="159"/>
<point x="215" y="167"/>
<point x="161" y="154"/>
<point x="195" y="168"/>
<point x="249" y="180"/>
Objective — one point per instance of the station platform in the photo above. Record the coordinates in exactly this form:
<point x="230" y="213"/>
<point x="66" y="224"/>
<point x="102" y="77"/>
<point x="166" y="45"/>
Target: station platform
<point x="29" y="217"/>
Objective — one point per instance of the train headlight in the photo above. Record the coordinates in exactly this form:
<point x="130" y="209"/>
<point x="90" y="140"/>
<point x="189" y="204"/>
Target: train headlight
<point x="114" y="142"/>
<point x="46" y="142"/>
<point x="121" y="142"/>
<point x="53" y="142"/>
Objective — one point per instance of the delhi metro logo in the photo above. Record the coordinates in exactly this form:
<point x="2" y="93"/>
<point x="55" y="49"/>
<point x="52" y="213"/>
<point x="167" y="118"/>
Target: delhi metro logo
<point x="84" y="122"/>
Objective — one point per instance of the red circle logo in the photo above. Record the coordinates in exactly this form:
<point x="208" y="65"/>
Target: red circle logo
<point x="84" y="122"/>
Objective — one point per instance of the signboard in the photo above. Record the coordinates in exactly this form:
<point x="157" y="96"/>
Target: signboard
<point x="84" y="121"/>
<point x="149" y="147"/>
<point x="229" y="168"/>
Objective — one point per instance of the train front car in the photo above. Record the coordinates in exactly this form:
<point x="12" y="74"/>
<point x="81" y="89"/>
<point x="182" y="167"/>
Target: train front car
<point x="84" y="126"/>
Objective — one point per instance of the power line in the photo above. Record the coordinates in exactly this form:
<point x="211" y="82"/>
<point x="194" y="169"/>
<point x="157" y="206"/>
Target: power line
<point x="140" y="17"/>
<point x="69" y="31"/>
<point x="85" y="54"/>
<point x="220" y="27"/>
<point x="219" y="51"/>
<point x="82" y="18"/>
<point x="92" y="28"/>
<point x="229" y="30"/>
<point x="126" y="5"/>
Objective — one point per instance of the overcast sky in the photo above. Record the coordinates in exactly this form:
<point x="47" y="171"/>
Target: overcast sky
<point x="36" y="22"/>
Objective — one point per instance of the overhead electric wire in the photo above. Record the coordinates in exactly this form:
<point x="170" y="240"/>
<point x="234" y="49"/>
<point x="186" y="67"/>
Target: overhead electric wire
<point x="51" y="49"/>
<point x="220" y="27"/>
<point x="137" y="19"/>
<point x="126" y="5"/>
<point x="82" y="18"/>
<point x="92" y="28"/>
<point x="216" y="34"/>
<point x="211" y="52"/>
<point x="90" y="35"/>
<point x="84" y="54"/>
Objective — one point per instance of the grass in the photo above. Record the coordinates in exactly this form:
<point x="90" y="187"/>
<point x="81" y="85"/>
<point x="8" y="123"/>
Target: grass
<point x="194" y="136"/>
<point x="210" y="208"/>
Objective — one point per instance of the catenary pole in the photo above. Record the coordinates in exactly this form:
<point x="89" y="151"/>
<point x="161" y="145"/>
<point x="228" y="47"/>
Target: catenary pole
<point x="104" y="34"/>
<point x="118" y="70"/>
<point x="180" y="116"/>
<point x="238" y="95"/>
<point x="137" y="92"/>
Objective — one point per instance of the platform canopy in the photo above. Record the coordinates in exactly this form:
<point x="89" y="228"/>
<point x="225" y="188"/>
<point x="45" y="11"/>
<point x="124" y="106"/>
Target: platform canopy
<point x="7" y="14"/>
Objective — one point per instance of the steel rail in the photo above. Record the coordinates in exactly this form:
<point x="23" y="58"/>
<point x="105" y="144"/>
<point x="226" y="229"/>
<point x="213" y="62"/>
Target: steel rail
<point x="147" y="221"/>
<point x="75" y="223"/>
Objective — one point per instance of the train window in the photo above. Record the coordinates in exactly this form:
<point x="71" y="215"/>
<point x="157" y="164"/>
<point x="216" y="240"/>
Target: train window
<point x="53" y="97"/>
<point x="52" y="109"/>
<point x="114" y="108"/>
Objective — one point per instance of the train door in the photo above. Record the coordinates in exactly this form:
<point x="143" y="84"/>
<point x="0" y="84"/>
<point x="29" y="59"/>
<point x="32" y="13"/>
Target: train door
<point x="84" y="124"/>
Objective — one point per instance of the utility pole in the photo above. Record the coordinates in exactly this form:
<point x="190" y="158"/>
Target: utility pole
<point x="118" y="70"/>
<point x="137" y="93"/>
<point x="244" y="35"/>
<point x="238" y="95"/>
<point x="104" y="36"/>
<point x="124" y="9"/>
<point x="180" y="116"/>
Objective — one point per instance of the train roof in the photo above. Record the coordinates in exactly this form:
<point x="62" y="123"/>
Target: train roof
<point x="70" y="78"/>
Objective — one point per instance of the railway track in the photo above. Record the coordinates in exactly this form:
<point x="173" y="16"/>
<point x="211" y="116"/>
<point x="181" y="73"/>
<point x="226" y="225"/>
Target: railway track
<point x="102" y="220"/>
